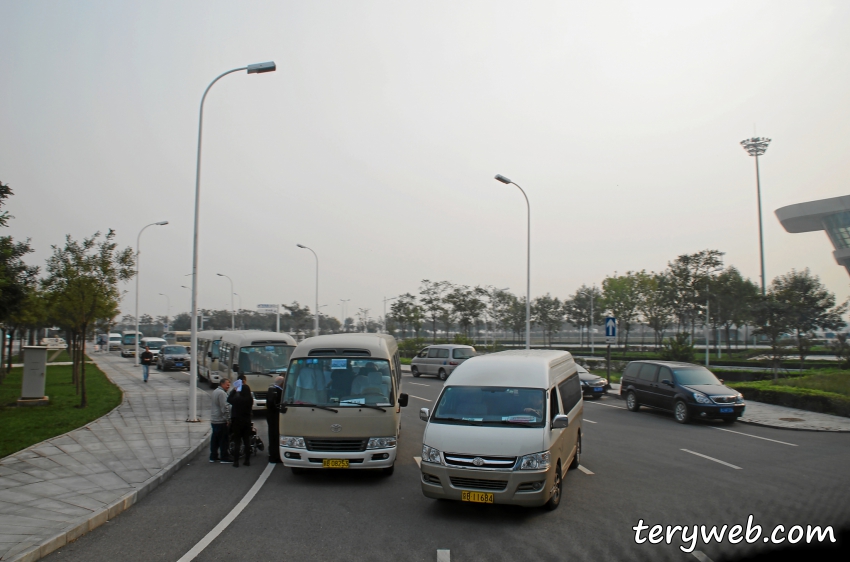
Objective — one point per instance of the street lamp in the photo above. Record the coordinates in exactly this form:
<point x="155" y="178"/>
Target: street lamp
<point x="168" y="313"/>
<point x="316" y="322"/>
<point x="592" y="339"/>
<point x="506" y="181"/>
<point x="138" y="240"/>
<point x="756" y="147"/>
<point x="386" y="300"/>
<point x="258" y="68"/>
<point x="232" y="312"/>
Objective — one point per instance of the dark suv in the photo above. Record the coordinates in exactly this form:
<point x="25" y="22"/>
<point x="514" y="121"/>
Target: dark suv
<point x="689" y="391"/>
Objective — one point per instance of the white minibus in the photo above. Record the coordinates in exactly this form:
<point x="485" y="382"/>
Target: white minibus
<point x="128" y="342"/>
<point x="209" y="349"/>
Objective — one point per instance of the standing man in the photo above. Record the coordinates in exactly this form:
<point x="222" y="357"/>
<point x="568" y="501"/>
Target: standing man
<point x="219" y="419"/>
<point x="147" y="359"/>
<point x="272" y="415"/>
<point x="240" y="419"/>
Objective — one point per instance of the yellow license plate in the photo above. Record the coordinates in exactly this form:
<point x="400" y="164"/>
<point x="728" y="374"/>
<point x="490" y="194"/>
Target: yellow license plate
<point x="334" y="463"/>
<point x="477" y="497"/>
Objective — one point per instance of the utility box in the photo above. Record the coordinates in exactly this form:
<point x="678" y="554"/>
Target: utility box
<point x="35" y="376"/>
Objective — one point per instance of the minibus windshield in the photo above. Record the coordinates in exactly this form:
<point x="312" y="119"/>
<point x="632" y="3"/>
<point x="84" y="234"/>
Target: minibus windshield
<point x="154" y="344"/>
<point x="264" y="359"/>
<point x="339" y="381"/>
<point x="129" y="339"/>
<point x="486" y="405"/>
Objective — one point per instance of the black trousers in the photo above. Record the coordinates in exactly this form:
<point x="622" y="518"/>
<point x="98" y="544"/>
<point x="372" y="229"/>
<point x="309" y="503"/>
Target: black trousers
<point x="274" y="443"/>
<point x="240" y="430"/>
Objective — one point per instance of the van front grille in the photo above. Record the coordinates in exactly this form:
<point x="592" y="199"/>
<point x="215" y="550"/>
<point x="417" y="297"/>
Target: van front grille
<point x="260" y="395"/>
<point x="468" y="461"/>
<point x="495" y="485"/>
<point x="336" y="445"/>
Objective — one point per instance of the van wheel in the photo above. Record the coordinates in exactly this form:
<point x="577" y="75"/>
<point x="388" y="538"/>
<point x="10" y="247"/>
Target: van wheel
<point x="442" y="374"/>
<point x="555" y="498"/>
<point x="577" y="456"/>
<point x="681" y="413"/>
<point x="414" y="371"/>
<point x="632" y="402"/>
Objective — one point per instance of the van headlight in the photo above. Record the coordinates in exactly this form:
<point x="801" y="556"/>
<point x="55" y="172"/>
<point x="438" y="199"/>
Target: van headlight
<point x="293" y="442"/>
<point x="535" y="461"/>
<point x="381" y="442"/>
<point x="430" y="454"/>
<point x="702" y="398"/>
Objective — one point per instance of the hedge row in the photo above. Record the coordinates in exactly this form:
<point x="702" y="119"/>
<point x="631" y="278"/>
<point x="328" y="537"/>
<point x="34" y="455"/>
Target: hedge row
<point x="794" y="397"/>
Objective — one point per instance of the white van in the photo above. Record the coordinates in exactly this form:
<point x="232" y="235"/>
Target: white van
<point x="341" y="405"/>
<point x="114" y="342"/>
<point x="504" y="430"/>
<point x="209" y="350"/>
<point x="260" y="356"/>
<point x="154" y="344"/>
<point x="128" y="342"/>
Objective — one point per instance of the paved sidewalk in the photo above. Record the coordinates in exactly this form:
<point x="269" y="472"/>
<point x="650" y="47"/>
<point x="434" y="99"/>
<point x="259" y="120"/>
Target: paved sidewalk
<point x="770" y="415"/>
<point x="57" y="490"/>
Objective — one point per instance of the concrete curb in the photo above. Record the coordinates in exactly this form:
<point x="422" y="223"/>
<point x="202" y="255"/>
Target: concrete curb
<point x="95" y="520"/>
<point x="794" y="428"/>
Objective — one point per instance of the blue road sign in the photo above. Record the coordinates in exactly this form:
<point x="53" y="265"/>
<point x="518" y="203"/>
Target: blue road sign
<point x="610" y="327"/>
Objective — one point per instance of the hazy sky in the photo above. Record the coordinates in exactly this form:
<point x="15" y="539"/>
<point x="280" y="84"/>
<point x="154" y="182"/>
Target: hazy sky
<point x="377" y="139"/>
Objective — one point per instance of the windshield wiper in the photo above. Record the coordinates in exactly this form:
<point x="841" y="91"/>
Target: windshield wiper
<point x="284" y="406"/>
<point x="341" y="402"/>
<point x="468" y="422"/>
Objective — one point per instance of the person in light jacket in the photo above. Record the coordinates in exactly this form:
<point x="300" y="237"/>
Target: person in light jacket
<point x="219" y="420"/>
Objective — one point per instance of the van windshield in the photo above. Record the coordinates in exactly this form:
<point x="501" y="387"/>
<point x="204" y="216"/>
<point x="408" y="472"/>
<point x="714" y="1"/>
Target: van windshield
<point x="339" y="381"/>
<point x="478" y="405"/>
<point x="264" y="359"/>
<point x="154" y="344"/>
<point x="129" y="339"/>
<point x="695" y="375"/>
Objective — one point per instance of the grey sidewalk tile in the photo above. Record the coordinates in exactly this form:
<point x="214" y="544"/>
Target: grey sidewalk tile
<point x="70" y="447"/>
<point x="81" y="501"/>
<point x="76" y="483"/>
<point x="59" y="506"/>
<point x="17" y="549"/>
<point x="41" y="462"/>
<point x="134" y="476"/>
<point x="42" y="474"/>
<point x="47" y="451"/>
<point x="42" y="489"/>
<point x="25" y="477"/>
<point x="108" y="481"/>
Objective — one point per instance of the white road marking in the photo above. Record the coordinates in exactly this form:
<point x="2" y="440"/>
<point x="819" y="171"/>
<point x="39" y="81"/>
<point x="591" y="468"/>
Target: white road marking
<point x="587" y="420"/>
<point x="419" y="384"/>
<point x="228" y="519"/>
<point x="712" y="459"/>
<point x="418" y="461"/>
<point x="701" y="557"/>
<point x="755" y="436"/>
<point x="609" y="405"/>
<point x="581" y="468"/>
<point x="444" y="555"/>
<point x="420" y="398"/>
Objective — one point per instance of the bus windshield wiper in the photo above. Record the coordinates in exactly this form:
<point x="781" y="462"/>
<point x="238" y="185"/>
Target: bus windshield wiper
<point x="341" y="402"/>
<point x="305" y="405"/>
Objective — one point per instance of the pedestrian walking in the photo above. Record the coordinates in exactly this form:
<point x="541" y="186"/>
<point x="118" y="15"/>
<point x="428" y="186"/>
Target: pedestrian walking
<point x="219" y="420"/>
<point x="242" y="403"/>
<point x="146" y="358"/>
<point x="272" y="416"/>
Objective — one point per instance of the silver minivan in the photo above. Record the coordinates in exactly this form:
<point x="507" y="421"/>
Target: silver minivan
<point x="505" y="429"/>
<point x="440" y="360"/>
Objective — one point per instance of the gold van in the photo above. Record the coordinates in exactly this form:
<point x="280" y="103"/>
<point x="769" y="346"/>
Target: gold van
<point x="209" y="352"/>
<point x="341" y="405"/>
<point x="505" y="429"/>
<point x="260" y="356"/>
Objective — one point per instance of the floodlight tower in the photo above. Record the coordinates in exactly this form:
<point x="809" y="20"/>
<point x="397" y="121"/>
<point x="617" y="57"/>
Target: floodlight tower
<point x="756" y="147"/>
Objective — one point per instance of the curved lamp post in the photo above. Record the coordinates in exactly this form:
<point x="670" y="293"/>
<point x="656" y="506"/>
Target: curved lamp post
<point x="316" y="321"/>
<point x="232" y="313"/>
<point x="258" y="68"/>
<point x="138" y="240"/>
<point x="506" y="181"/>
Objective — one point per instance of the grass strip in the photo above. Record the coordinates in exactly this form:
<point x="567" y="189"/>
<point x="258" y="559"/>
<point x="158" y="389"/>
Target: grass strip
<point x="25" y="426"/>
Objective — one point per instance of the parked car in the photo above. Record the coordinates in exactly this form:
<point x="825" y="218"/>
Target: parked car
<point x="173" y="357"/>
<point x="440" y="360"/>
<point x="689" y="391"/>
<point x="592" y="385"/>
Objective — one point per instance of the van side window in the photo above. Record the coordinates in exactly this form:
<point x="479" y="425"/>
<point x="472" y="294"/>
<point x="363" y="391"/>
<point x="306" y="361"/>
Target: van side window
<point x="570" y="393"/>
<point x="554" y="404"/>
<point x="423" y="354"/>
<point x="665" y="374"/>
<point x="632" y="370"/>
<point x="215" y="349"/>
<point x="432" y="352"/>
<point x="648" y="372"/>
<point x="442" y="354"/>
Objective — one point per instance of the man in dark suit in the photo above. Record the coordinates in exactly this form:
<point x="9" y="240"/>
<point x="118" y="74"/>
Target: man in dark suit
<point x="242" y="403"/>
<point x="272" y="416"/>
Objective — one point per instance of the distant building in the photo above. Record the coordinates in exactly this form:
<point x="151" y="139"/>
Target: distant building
<point x="831" y="215"/>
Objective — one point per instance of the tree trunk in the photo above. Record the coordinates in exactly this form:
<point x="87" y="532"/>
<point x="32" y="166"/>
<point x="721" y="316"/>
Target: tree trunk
<point x="2" y="355"/>
<point x="82" y="353"/>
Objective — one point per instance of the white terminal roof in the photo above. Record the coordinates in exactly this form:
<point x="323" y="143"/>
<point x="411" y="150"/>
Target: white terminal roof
<point x="808" y="217"/>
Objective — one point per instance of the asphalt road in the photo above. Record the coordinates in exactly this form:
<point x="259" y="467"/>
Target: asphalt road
<point x="640" y="470"/>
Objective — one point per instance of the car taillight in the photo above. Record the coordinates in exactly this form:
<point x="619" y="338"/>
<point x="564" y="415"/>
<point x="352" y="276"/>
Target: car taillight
<point x="452" y="362"/>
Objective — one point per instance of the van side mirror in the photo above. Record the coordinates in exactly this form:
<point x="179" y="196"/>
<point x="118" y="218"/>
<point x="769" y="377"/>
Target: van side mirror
<point x="560" y="421"/>
<point x="402" y="399"/>
<point x="235" y="368"/>
<point x="424" y="414"/>
<point x="667" y="382"/>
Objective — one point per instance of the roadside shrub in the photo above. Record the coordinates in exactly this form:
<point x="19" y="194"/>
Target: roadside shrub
<point x="678" y="348"/>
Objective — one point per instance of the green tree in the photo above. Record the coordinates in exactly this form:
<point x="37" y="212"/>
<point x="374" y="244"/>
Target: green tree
<point x="732" y="301"/>
<point x="431" y="296"/>
<point x="621" y="297"/>
<point x="688" y="275"/>
<point x="548" y="313"/>
<point x="773" y="319"/>
<point x="82" y="286"/>
<point x="577" y="308"/>
<point x="467" y="305"/>
<point x="840" y="346"/>
<point x="678" y="348"/>
<point x="655" y="302"/>
<point x="810" y="306"/>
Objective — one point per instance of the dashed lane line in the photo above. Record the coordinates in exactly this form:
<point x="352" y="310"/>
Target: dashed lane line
<point x="444" y="555"/>
<point x="754" y="436"/>
<point x="418" y="461"/>
<point x="609" y="405"/>
<point x="701" y="556"/>
<point x="419" y="384"/>
<point x="230" y="517"/>
<point x="420" y="398"/>
<point x="581" y="468"/>
<point x="712" y="459"/>
<point x="588" y="421"/>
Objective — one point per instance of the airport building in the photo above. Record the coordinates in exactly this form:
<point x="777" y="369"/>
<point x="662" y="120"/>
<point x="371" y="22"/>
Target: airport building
<point x="831" y="215"/>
